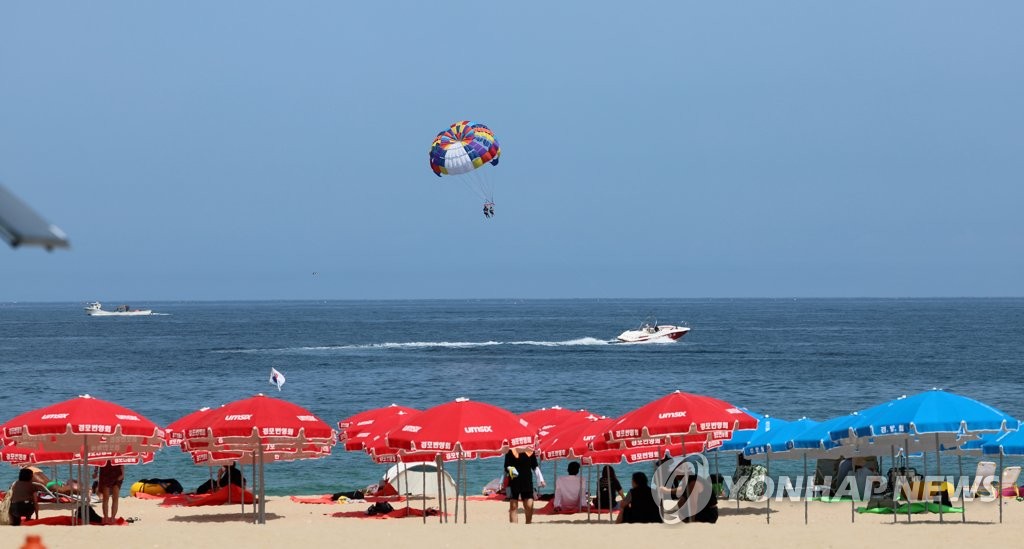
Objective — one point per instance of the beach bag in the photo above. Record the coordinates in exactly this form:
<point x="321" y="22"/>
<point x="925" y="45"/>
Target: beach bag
<point x="754" y="488"/>
<point x="94" y="517"/>
<point x="5" y="508"/>
<point x="380" y="508"/>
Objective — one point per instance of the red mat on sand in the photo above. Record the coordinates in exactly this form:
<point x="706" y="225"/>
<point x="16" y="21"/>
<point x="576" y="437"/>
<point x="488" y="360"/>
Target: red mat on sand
<point x="324" y="499"/>
<point x="397" y="513"/>
<point x="220" y="497"/>
<point x="492" y="497"/>
<point x="65" y="520"/>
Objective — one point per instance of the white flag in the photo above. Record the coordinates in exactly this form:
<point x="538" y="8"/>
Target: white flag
<point x="276" y="378"/>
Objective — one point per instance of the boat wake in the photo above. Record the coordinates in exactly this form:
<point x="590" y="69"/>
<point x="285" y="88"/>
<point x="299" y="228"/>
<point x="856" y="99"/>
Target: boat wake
<point x="583" y="341"/>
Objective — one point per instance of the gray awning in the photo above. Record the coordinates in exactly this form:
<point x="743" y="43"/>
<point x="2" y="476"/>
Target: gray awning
<point x="21" y="226"/>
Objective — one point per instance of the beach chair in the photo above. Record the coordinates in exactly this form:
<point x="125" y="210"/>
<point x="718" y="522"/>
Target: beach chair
<point x="1009" y="480"/>
<point x="986" y="470"/>
<point x="51" y="501"/>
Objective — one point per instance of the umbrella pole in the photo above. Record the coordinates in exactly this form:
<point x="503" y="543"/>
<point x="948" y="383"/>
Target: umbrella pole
<point x="442" y="501"/>
<point x="1000" y="484"/>
<point x="465" y="491"/>
<point x="423" y="488"/>
<point x="938" y="473"/>
<point x="263" y="492"/>
<point x="590" y="470"/>
<point x="963" y="505"/>
<point x="83" y="516"/>
<point x="458" y="486"/>
<point x="892" y="467"/>
<point x="805" y="488"/>
<point x="611" y="496"/>
<point x="909" y="488"/>
<point x="768" y="497"/>
<point x="253" y="477"/>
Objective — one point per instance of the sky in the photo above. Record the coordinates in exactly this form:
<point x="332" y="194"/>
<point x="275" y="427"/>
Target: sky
<point x="229" y="150"/>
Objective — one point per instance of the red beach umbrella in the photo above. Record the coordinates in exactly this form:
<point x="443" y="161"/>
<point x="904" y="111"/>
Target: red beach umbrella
<point x="366" y="427"/>
<point x="572" y="441"/>
<point x="261" y="419"/>
<point x="260" y="425"/>
<point x="174" y="434"/>
<point x="377" y="420"/>
<point x="680" y="413"/>
<point x="68" y="425"/>
<point x="85" y="425"/>
<point x="547" y="419"/>
<point x="462" y="425"/>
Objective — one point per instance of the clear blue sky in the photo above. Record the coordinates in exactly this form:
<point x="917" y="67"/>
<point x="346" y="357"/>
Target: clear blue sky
<point x="227" y="150"/>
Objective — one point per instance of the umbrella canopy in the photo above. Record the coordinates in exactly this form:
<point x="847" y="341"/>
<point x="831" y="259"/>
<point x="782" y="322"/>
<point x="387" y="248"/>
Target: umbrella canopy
<point x="929" y="412"/>
<point x="462" y="425"/>
<point x="547" y="419"/>
<point x="778" y="439"/>
<point x="174" y="434"/>
<point x="364" y="429"/>
<point x="1009" y="444"/>
<point x="21" y="225"/>
<point x="259" y="419"/>
<point x="740" y="439"/>
<point x="680" y="413"/>
<point x="377" y="419"/>
<point x="815" y="439"/>
<point x="67" y="425"/>
<point x="572" y="441"/>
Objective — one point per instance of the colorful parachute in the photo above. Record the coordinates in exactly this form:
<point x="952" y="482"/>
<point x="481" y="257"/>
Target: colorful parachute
<point x="461" y="150"/>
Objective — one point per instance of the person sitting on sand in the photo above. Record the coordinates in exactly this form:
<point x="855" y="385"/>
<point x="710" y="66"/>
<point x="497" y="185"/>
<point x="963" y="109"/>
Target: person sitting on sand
<point x="639" y="506"/>
<point x="570" y="492"/>
<point x="696" y="497"/>
<point x="608" y="488"/>
<point x="23" y="497"/>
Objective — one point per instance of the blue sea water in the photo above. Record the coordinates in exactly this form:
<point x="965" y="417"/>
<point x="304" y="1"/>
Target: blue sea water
<point x="784" y="357"/>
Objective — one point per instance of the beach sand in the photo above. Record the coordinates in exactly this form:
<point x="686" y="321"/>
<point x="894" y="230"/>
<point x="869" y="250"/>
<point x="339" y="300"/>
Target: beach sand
<point x="296" y="526"/>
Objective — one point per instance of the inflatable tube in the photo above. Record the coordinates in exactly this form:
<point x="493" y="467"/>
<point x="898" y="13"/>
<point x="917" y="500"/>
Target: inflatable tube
<point x="146" y="488"/>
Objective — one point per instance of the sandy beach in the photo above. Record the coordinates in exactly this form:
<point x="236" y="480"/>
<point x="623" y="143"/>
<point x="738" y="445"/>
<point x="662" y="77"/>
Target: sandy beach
<point x="304" y="525"/>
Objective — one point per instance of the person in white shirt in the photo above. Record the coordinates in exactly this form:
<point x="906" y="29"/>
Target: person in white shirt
<point x="570" y="492"/>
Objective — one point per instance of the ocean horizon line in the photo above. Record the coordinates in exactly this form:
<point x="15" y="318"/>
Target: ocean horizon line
<point x="518" y="299"/>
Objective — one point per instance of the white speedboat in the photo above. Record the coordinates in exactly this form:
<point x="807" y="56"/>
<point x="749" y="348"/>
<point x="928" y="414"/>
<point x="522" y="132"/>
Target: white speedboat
<point x="96" y="309"/>
<point x="653" y="332"/>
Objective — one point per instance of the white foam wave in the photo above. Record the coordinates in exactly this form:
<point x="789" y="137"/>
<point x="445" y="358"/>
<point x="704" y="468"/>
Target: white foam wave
<point x="583" y="341"/>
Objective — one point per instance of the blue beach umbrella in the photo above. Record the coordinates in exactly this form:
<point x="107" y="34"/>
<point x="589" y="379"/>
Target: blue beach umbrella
<point x="931" y="419"/>
<point x="934" y="412"/>
<point x="740" y="439"/>
<point x="816" y="439"/>
<point x="1007" y="444"/>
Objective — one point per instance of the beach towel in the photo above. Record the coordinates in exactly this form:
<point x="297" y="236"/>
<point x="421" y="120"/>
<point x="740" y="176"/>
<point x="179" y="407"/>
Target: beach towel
<point x="322" y="500"/>
<point x="491" y="497"/>
<point x="915" y="508"/>
<point x="397" y="513"/>
<point x="65" y="520"/>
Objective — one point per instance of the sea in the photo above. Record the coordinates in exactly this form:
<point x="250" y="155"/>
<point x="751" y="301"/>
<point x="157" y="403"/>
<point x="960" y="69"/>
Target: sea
<point x="788" y="358"/>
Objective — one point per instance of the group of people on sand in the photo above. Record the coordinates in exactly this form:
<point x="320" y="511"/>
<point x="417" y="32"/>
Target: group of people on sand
<point x="685" y="494"/>
<point x="32" y="483"/>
